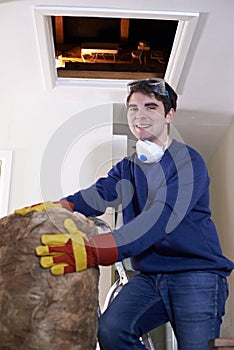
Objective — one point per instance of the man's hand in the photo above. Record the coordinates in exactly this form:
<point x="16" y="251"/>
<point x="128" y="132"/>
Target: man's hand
<point x="44" y="206"/>
<point x="74" y="251"/>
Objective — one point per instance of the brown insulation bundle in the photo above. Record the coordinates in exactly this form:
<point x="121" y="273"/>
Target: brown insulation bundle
<point x="40" y="311"/>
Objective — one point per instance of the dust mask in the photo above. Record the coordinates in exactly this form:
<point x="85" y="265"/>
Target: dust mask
<point x="150" y="152"/>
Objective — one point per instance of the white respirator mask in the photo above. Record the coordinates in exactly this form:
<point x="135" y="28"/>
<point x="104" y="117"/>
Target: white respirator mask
<point x="150" y="152"/>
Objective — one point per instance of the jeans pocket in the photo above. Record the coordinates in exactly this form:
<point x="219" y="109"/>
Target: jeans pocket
<point x="225" y="286"/>
<point x="222" y="295"/>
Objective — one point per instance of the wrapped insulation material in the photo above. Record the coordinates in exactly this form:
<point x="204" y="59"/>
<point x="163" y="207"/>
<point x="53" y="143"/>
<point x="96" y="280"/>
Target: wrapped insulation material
<point x="40" y="311"/>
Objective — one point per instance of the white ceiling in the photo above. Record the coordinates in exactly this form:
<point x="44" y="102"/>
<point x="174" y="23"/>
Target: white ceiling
<point x="205" y="85"/>
<point x="206" y="104"/>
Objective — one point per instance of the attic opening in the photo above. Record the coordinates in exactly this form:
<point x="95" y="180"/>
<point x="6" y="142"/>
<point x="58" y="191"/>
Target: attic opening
<point x="116" y="48"/>
<point x="129" y="29"/>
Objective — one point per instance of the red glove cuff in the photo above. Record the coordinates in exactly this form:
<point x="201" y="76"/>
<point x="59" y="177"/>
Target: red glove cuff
<point x="67" y="205"/>
<point x="101" y="250"/>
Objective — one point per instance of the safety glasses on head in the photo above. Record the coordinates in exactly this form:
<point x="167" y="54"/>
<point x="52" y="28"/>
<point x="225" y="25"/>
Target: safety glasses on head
<point x="156" y="85"/>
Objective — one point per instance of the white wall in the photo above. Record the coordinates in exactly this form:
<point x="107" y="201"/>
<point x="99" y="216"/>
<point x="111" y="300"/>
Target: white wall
<point x="221" y="168"/>
<point x="30" y="115"/>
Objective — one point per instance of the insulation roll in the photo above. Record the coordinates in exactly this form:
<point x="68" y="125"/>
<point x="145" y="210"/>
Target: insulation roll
<point x="40" y="311"/>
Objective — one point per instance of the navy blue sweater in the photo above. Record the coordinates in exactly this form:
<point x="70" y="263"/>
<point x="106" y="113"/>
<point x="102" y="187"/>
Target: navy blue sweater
<point x="167" y="221"/>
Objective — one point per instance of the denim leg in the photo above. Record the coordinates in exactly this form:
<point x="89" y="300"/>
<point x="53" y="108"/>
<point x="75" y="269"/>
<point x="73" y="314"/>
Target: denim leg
<point x="194" y="302"/>
<point x="135" y="310"/>
<point x="197" y="301"/>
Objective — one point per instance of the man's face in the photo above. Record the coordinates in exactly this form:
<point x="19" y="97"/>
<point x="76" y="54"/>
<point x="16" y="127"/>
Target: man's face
<point x="146" y="118"/>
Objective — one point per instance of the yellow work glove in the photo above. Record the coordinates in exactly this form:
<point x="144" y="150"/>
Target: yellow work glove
<point x="44" y="206"/>
<point x="74" y="251"/>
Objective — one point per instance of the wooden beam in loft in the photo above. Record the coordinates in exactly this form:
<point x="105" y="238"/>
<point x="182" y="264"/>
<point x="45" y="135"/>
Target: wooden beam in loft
<point x="59" y="32"/>
<point x="124" y="30"/>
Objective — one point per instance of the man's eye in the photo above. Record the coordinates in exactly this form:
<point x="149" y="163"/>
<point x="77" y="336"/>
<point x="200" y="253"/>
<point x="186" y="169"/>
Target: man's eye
<point x="133" y="109"/>
<point x="151" y="108"/>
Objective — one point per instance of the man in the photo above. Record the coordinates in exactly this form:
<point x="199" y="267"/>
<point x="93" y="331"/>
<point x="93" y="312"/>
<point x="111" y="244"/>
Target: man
<point x="168" y="233"/>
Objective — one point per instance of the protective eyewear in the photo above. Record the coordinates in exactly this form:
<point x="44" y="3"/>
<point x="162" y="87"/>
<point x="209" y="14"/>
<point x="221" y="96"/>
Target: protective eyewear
<point x="157" y="85"/>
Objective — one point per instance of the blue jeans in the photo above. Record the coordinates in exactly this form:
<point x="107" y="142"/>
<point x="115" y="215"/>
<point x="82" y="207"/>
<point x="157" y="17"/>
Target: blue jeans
<point x="193" y="302"/>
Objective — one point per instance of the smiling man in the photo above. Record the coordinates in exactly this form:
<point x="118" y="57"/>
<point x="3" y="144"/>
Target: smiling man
<point x="147" y="117"/>
<point x="167" y="233"/>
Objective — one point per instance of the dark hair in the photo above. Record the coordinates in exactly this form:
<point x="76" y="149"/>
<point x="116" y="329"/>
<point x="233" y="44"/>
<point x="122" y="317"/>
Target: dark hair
<point x="169" y="101"/>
